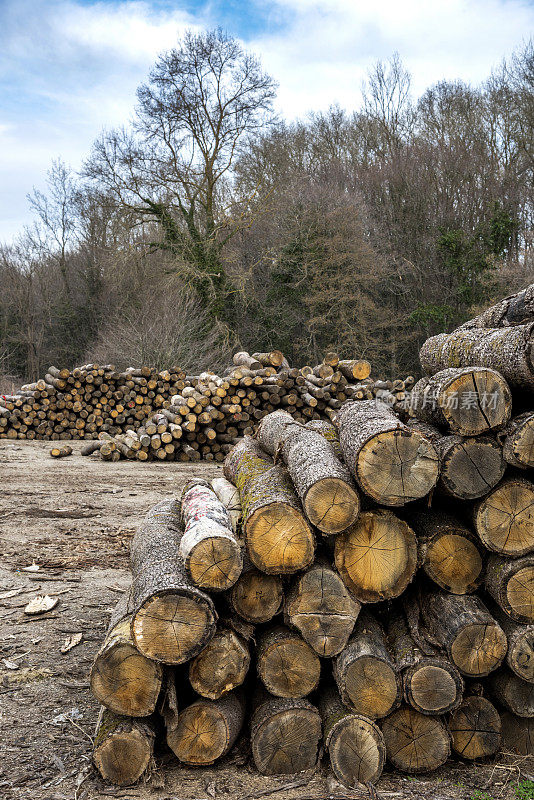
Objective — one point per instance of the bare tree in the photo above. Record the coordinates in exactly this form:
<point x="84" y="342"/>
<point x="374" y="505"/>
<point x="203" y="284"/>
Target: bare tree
<point x="200" y="102"/>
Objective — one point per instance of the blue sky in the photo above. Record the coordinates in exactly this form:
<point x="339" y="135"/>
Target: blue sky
<point x="68" y="68"/>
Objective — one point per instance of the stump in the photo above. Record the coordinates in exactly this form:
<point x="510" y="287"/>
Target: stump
<point x="206" y="730"/>
<point x="287" y="665"/>
<point x="221" y="666"/>
<point x="415" y="742"/>
<point x="279" y="539"/>
<point x="354" y="743"/>
<point x="463" y="626"/>
<point x="377" y="556"/>
<point x="285" y="735"/>
<point x="510" y="581"/>
<point x="475" y="728"/>
<point x="504" y="519"/>
<point x="364" y="672"/>
<point x="320" y="607"/>
<point x="391" y="463"/>
<point x="172" y="619"/>
<point x="122" y="747"/>
<point x="121" y="678"/>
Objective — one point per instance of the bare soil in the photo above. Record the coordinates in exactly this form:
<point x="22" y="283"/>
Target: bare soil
<point x="74" y="517"/>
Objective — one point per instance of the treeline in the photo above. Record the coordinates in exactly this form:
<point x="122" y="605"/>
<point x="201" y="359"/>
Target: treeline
<point x="210" y="223"/>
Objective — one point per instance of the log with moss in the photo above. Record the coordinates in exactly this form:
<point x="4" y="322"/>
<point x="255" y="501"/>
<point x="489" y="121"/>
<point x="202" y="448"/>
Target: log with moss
<point x="285" y="734"/>
<point x="355" y="744"/>
<point x="322" y="609"/>
<point x="377" y="556"/>
<point x="122" y="747"/>
<point x="211" y="552"/>
<point x="221" y="666"/>
<point x="365" y="673"/>
<point x="462" y="625"/>
<point x="450" y="554"/>
<point x="467" y="401"/>
<point x="206" y="730"/>
<point x="504" y="519"/>
<point x="510" y="581"/>
<point x="475" y="728"/>
<point x="278" y="537"/>
<point x="255" y="596"/>
<point x="392" y="463"/>
<point x="122" y="678"/>
<point x="415" y="742"/>
<point x="506" y="350"/>
<point x="172" y="620"/>
<point x="287" y="665"/>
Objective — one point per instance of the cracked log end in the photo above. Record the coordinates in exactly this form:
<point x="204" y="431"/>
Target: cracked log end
<point x="415" y="742"/>
<point x="215" y="563"/>
<point x="475" y="728"/>
<point x="285" y="736"/>
<point x="206" y="730"/>
<point x="257" y="597"/>
<point x="479" y="648"/>
<point x="331" y="505"/>
<point x="279" y="541"/>
<point x="504" y="519"/>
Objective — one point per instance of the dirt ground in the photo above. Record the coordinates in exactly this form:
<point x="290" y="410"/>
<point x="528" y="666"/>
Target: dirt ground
<point x="74" y="518"/>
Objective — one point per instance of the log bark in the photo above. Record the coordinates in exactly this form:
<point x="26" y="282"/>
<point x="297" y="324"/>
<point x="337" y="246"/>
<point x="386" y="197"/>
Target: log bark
<point x="323" y="483"/>
<point x="285" y="735"/>
<point x="321" y="608"/>
<point x="377" y="557"/>
<point x="212" y="555"/>
<point x="121" y="678"/>
<point x="511" y="584"/>
<point x="122" y="747"/>
<point x="172" y="619"/>
<point x="463" y="626"/>
<point x="518" y="441"/>
<point x="516" y="309"/>
<point x="287" y="665"/>
<point x="256" y="597"/>
<point x="229" y="497"/>
<point x="221" y="666"/>
<point x="431" y="684"/>
<point x="354" y="743"/>
<point x="364" y="671"/>
<point x="415" y="742"/>
<point x="449" y="553"/>
<point x="517" y="734"/>
<point x="278" y="537"/>
<point x="504" y="519"/>
<point x="468" y="401"/>
<point x="506" y="350"/>
<point x="391" y="463"/>
<point x="355" y="369"/>
<point x="475" y="728"/>
<point x="206" y="730"/>
<point x="329" y="432"/>
<point x="514" y="694"/>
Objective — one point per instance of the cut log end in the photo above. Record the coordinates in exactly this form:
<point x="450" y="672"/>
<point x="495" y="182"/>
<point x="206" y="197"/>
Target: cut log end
<point x="289" y="667"/>
<point x="257" y="597"/>
<point x="357" y="751"/>
<point x="433" y="688"/>
<point x="415" y="742"/>
<point x="476" y="401"/>
<point x="206" y="730"/>
<point x="479" y="648"/>
<point x="396" y="467"/>
<point x="215" y="563"/>
<point x="172" y="628"/>
<point x="285" y="740"/>
<point x="331" y="505"/>
<point x="455" y="563"/>
<point x="517" y="734"/>
<point x="221" y="666"/>
<point x="123" y="748"/>
<point x="520" y="594"/>
<point x="475" y="728"/>
<point x="505" y="518"/>
<point x="278" y="539"/>
<point x="371" y="687"/>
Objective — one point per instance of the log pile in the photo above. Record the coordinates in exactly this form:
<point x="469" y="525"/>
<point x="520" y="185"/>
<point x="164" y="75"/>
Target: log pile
<point x="361" y="586"/>
<point x="144" y="414"/>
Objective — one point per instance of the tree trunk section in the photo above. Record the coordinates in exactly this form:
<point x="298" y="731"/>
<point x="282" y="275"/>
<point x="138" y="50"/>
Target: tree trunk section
<point x="122" y="747"/>
<point x="287" y="665"/>
<point x="511" y="584"/>
<point x="355" y="744"/>
<point x="323" y="483"/>
<point x="516" y="309"/>
<point x="221" y="666"/>
<point x="468" y="401"/>
<point x="229" y="497"/>
<point x="520" y="655"/>
<point x="513" y="693"/>
<point x="172" y="619"/>
<point x="285" y="735"/>
<point x="391" y="463"/>
<point x="212" y="555"/>
<point x="329" y="432"/>
<point x="475" y="728"/>
<point x="415" y="742"/>
<point x="256" y="597"/>
<point x="377" y="557"/>
<point x="518" y="441"/>
<point x="320" y="607"/>
<point x="121" y="678"/>
<point x="364" y="672"/>
<point x="517" y="734"/>
<point x="504" y="519"/>
<point x="506" y="350"/>
<point x="463" y="626"/>
<point x="278" y="537"/>
<point x="206" y="730"/>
